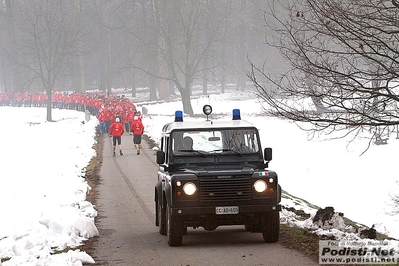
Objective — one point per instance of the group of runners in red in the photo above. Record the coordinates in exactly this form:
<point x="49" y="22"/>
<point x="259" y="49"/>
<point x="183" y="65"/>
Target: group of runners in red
<point x="109" y="109"/>
<point x="117" y="129"/>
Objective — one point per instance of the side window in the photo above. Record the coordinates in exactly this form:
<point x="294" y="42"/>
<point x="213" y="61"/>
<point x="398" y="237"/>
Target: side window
<point x="162" y="144"/>
<point x="177" y="140"/>
<point x="166" y="149"/>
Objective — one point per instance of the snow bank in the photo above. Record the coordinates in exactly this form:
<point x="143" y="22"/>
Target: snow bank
<point x="43" y="190"/>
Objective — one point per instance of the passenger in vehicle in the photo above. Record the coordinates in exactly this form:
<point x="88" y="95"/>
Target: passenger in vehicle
<point x="239" y="146"/>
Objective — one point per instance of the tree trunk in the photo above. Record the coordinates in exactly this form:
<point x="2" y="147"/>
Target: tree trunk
<point x="204" y="85"/>
<point x="222" y="83"/>
<point x="186" y="101"/>
<point x="163" y="89"/>
<point x="133" y="84"/>
<point x="241" y="82"/>
<point x="49" y="105"/>
<point x="171" y="87"/>
<point x="205" y="78"/>
<point x="153" y="88"/>
<point x="12" y="79"/>
<point x="80" y="81"/>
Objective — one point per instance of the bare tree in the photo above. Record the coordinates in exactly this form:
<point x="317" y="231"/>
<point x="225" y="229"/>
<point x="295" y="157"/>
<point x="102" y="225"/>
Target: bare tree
<point x="79" y="76"/>
<point x="10" y="72"/>
<point x="49" y="37"/>
<point x="395" y="204"/>
<point x="181" y="48"/>
<point x="166" y="46"/>
<point x="190" y="38"/>
<point x="343" y="64"/>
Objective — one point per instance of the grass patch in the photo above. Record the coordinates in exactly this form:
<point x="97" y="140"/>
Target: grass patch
<point x="301" y="240"/>
<point x="55" y="251"/>
<point x="5" y="259"/>
<point x="93" y="179"/>
<point x="286" y="195"/>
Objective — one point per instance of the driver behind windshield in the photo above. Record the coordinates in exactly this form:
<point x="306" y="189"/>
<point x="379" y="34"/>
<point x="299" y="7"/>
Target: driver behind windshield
<point x="238" y="145"/>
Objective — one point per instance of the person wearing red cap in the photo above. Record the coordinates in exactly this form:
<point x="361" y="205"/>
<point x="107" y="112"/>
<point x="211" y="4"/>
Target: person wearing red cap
<point x="116" y="130"/>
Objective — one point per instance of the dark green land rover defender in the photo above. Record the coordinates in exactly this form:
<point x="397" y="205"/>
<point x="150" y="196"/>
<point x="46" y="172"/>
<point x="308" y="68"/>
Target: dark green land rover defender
<point x="214" y="173"/>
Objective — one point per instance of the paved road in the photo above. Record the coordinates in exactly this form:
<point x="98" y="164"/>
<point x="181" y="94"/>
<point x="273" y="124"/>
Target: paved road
<point x="128" y="235"/>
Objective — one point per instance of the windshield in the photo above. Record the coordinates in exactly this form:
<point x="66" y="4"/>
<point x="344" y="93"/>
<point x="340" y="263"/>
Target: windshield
<point x="242" y="141"/>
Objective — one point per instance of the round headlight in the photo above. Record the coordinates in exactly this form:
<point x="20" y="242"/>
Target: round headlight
<point x="207" y="109"/>
<point x="260" y="186"/>
<point x="189" y="188"/>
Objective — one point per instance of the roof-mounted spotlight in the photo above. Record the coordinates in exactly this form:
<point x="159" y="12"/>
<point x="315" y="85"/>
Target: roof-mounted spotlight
<point x="236" y="114"/>
<point x="178" y="116"/>
<point x="207" y="109"/>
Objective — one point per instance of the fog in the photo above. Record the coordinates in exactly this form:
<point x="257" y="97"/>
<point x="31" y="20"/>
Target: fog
<point x="162" y="45"/>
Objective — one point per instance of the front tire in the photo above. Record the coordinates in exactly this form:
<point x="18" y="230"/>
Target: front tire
<point x="174" y="226"/>
<point x="271" y="227"/>
<point x="160" y="217"/>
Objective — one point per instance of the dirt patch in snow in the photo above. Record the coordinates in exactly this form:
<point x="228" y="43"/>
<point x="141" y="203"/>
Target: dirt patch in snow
<point x="93" y="179"/>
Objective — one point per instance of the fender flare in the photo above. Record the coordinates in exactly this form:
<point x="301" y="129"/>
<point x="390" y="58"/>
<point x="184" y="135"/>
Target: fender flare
<point x="278" y="193"/>
<point x="158" y="192"/>
<point x="163" y="194"/>
<point x="168" y="195"/>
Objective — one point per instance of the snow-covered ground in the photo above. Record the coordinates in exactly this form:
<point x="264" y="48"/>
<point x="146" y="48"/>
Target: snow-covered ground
<point x="43" y="193"/>
<point x="42" y="190"/>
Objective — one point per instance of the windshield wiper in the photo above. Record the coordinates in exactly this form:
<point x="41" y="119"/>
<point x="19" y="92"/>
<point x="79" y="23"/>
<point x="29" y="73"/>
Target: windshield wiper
<point x="195" y="151"/>
<point x="229" y="150"/>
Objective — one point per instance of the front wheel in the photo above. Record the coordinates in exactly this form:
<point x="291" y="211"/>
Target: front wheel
<point x="271" y="227"/>
<point x="160" y="217"/>
<point x="174" y="226"/>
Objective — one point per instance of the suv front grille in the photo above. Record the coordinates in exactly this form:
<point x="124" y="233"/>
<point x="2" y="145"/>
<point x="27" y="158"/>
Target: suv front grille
<point x="227" y="190"/>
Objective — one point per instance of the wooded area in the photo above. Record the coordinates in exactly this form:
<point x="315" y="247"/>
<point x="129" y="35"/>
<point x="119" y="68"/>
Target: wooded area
<point x="337" y="67"/>
<point x="344" y="68"/>
<point x="77" y="45"/>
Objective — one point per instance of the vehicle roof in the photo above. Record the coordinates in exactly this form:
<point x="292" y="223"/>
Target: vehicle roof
<point x="206" y="124"/>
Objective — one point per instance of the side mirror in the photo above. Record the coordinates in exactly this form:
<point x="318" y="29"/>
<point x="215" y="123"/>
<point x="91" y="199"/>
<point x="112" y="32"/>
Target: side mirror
<point x="160" y="157"/>
<point x="268" y="154"/>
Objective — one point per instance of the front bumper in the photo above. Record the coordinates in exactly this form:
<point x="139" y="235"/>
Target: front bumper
<point x="211" y="210"/>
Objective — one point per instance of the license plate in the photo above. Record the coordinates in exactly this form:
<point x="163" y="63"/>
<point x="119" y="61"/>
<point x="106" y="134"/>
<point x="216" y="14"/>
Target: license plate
<point x="227" y="210"/>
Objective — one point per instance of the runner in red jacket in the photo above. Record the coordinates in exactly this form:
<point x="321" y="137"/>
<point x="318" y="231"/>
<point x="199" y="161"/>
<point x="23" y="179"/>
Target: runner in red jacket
<point x="137" y="128"/>
<point x="116" y="130"/>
